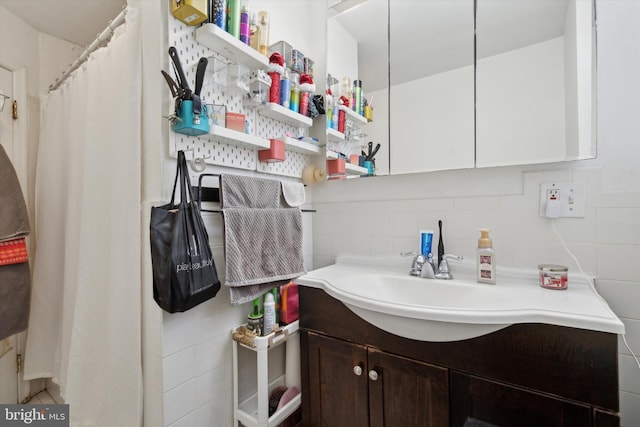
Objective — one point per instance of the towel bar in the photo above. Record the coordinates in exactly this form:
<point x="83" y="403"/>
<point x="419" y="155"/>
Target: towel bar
<point x="212" y="194"/>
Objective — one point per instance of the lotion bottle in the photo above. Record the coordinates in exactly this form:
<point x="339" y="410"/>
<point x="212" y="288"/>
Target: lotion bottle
<point x="486" y="258"/>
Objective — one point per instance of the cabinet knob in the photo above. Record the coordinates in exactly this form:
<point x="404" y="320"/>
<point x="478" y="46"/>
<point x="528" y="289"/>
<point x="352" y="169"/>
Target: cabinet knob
<point x="373" y="375"/>
<point x="357" y="370"/>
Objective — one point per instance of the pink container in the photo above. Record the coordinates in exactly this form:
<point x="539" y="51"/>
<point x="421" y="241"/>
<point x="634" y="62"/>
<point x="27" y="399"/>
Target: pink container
<point x="276" y="153"/>
<point x="336" y="167"/>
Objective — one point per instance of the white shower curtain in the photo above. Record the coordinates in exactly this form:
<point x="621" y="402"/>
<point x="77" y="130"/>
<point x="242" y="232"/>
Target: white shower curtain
<point x="85" y="323"/>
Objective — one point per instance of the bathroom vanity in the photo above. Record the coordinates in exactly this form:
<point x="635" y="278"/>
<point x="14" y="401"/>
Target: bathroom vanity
<point x="527" y="373"/>
<point x="356" y="374"/>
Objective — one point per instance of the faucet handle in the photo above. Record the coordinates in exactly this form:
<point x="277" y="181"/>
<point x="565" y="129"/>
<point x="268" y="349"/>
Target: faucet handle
<point x="411" y="253"/>
<point x="418" y="262"/>
<point x="418" y="259"/>
<point x="449" y="256"/>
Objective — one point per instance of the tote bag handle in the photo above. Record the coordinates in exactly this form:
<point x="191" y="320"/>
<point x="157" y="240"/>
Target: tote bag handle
<point x="182" y="174"/>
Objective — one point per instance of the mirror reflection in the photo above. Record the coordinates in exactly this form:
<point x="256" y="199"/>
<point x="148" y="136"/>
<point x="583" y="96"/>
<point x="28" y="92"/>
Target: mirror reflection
<point x="528" y="97"/>
<point x="535" y="77"/>
<point x="431" y="93"/>
<point x="358" y="49"/>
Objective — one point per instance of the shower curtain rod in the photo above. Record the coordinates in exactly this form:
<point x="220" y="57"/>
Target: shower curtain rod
<point x="104" y="35"/>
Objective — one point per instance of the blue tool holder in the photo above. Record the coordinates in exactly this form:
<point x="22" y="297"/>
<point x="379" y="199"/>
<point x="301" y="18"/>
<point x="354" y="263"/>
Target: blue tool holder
<point x="185" y="125"/>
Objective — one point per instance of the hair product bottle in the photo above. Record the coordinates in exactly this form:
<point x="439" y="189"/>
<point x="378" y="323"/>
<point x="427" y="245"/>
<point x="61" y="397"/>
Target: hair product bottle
<point x="245" y="30"/>
<point x="233" y="18"/>
<point x="269" y="308"/>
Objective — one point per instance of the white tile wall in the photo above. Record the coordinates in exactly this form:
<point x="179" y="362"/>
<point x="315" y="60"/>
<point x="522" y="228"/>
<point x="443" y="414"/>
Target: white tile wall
<point x="197" y="351"/>
<point x="521" y="239"/>
<point x="383" y="215"/>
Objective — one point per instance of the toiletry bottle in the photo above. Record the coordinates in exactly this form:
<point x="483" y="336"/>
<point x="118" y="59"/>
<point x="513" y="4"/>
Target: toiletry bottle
<point x="245" y="30"/>
<point x="294" y="97"/>
<point x="218" y="13"/>
<point x="357" y="95"/>
<point x="269" y="309"/>
<point x="486" y="258"/>
<point x="276" y="297"/>
<point x="285" y="89"/>
<point x="263" y="32"/>
<point x="254" y="37"/>
<point x="233" y="18"/>
<point x="255" y="318"/>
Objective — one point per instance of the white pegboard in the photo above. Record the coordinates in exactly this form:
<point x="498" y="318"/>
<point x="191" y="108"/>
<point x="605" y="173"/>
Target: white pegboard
<point x="182" y="37"/>
<point x="293" y="163"/>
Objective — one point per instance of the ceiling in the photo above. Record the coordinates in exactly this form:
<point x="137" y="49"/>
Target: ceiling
<point x="76" y="21"/>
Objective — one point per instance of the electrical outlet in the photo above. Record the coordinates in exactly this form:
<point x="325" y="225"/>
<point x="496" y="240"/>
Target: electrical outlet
<point x="553" y="194"/>
<point x="569" y="195"/>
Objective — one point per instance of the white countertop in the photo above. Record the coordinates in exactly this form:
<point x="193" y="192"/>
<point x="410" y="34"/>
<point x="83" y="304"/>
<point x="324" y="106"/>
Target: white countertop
<point x="380" y="290"/>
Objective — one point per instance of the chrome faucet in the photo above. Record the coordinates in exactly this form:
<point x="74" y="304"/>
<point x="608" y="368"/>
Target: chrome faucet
<point x="425" y="266"/>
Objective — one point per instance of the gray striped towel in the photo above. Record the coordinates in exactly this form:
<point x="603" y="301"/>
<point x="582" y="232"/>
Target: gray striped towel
<point x="263" y="250"/>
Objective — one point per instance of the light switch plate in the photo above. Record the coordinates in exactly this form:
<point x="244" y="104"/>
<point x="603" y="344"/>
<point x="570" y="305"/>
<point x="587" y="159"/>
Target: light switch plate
<point x="570" y="195"/>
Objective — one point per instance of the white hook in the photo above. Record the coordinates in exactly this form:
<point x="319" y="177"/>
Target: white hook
<point x="198" y="164"/>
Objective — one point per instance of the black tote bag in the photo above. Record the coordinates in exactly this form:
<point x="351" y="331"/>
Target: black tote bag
<point x="184" y="273"/>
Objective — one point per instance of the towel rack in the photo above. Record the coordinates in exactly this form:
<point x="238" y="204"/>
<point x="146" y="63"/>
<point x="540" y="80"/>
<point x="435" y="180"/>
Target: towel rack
<point x="212" y="194"/>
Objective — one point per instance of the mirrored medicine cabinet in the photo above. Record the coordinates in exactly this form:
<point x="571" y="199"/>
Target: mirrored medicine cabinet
<point x="522" y="91"/>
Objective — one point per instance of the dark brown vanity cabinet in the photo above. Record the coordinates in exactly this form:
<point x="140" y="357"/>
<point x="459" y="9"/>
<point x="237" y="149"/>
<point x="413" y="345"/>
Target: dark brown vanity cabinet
<point x="369" y="387"/>
<point x="354" y="374"/>
<point x="504" y="405"/>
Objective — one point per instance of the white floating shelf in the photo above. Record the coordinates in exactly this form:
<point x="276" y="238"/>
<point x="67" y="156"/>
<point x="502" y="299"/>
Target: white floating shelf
<point x="282" y="114"/>
<point x="230" y="136"/>
<point x="301" y="146"/>
<point x="225" y="44"/>
<point x="332" y="155"/>
<point x="350" y="168"/>
<point x="335" y="136"/>
<point x="353" y="115"/>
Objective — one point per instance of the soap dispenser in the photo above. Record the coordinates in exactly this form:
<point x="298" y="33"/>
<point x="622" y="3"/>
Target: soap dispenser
<point x="486" y="260"/>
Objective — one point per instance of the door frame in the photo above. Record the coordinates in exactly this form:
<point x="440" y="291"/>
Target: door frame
<point x="20" y="162"/>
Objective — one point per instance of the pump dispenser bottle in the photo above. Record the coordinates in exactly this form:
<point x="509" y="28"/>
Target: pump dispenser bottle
<point x="486" y="261"/>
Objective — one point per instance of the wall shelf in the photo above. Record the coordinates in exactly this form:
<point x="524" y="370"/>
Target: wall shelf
<point x="280" y="113"/>
<point x="350" y="168"/>
<point x="225" y="44"/>
<point x="335" y="136"/>
<point x="230" y="57"/>
<point x="230" y="136"/>
<point x="350" y="114"/>
<point x="301" y="146"/>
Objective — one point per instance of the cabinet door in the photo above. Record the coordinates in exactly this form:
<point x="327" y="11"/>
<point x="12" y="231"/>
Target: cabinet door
<point x="507" y="406"/>
<point x="338" y="383"/>
<point x="404" y="392"/>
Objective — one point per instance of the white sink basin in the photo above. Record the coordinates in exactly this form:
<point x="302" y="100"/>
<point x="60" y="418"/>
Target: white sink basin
<point x="380" y="290"/>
